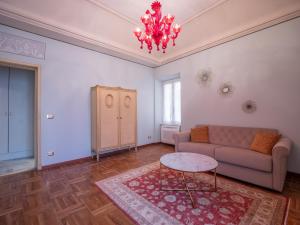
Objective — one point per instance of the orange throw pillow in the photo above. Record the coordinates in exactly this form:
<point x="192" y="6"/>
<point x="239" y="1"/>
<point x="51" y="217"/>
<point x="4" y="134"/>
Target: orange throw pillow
<point x="199" y="134"/>
<point x="264" y="142"/>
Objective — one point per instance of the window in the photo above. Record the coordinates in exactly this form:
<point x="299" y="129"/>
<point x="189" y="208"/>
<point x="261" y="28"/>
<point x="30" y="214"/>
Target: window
<point x="172" y="102"/>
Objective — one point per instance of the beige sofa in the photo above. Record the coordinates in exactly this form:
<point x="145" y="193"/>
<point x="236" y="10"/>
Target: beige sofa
<point x="230" y="147"/>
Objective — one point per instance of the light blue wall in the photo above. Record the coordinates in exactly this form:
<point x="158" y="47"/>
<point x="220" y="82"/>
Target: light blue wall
<point x="67" y="73"/>
<point x="263" y="67"/>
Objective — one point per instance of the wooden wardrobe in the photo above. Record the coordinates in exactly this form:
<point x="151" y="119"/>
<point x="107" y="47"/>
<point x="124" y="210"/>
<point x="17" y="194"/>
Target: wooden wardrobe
<point x="114" y="119"/>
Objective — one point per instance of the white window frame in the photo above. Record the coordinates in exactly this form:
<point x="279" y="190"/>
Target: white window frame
<point x="172" y="81"/>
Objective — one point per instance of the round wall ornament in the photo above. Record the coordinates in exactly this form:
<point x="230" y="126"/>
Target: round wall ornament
<point x="204" y="77"/>
<point x="226" y="89"/>
<point x="249" y="106"/>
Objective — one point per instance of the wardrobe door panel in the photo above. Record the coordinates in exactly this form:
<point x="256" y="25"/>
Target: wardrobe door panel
<point x="21" y="112"/>
<point x="109" y="113"/>
<point x="128" y="117"/>
<point x="4" y="74"/>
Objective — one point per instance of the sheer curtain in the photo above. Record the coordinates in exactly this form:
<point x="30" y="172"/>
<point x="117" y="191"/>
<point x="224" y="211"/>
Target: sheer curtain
<point x="177" y="102"/>
<point x="172" y="102"/>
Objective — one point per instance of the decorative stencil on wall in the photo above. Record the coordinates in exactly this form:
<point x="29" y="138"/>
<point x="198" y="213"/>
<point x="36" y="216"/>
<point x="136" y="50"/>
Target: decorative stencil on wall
<point x="249" y="106"/>
<point x="204" y="77"/>
<point x="22" y="46"/>
<point x="226" y="89"/>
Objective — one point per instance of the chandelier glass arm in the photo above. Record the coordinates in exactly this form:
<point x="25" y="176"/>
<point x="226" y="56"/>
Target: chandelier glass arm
<point x="157" y="28"/>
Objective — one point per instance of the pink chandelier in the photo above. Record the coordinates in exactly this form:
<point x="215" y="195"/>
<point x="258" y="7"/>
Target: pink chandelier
<point x="157" y="29"/>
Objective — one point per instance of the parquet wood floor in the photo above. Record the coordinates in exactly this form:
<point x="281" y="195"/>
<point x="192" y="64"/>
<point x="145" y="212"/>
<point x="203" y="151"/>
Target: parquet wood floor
<point x="67" y="195"/>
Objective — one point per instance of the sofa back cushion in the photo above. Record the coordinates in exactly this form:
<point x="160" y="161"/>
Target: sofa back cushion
<point x="199" y="134"/>
<point x="240" y="137"/>
<point x="264" y="142"/>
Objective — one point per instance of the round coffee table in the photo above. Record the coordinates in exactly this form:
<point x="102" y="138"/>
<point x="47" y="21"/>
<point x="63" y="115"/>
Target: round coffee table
<point x="187" y="162"/>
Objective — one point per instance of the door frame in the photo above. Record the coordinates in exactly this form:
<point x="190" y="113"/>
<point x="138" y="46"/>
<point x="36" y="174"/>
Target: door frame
<point x="37" y="106"/>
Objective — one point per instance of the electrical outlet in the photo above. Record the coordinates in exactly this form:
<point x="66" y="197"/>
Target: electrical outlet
<point x="51" y="153"/>
<point x="149" y="137"/>
<point x="50" y="116"/>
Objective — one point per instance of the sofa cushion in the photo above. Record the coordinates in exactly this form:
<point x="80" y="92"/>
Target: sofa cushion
<point x="245" y="158"/>
<point x="264" y="142"/>
<point x="202" y="148"/>
<point x="240" y="137"/>
<point x="199" y="134"/>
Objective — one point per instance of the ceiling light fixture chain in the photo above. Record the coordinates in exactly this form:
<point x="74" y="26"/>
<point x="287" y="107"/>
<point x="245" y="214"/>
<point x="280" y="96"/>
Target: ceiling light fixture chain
<point x="157" y="29"/>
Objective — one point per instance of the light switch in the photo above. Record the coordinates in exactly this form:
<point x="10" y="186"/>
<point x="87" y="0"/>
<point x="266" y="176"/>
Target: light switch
<point x="50" y="116"/>
<point x="51" y="153"/>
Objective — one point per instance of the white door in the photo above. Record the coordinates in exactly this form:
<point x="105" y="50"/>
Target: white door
<point x="128" y="117"/>
<point x="4" y="75"/>
<point x="21" y="113"/>
<point x="109" y="118"/>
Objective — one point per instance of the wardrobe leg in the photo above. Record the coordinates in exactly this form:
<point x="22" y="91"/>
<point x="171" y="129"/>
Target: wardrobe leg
<point x="97" y="157"/>
<point x="135" y="148"/>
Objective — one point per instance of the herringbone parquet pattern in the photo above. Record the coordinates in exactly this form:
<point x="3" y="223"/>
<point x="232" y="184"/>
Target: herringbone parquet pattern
<point x="67" y="195"/>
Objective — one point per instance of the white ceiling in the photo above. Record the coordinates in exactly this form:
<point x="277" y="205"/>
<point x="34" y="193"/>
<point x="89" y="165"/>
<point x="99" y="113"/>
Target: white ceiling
<point x="107" y="25"/>
<point x="183" y="10"/>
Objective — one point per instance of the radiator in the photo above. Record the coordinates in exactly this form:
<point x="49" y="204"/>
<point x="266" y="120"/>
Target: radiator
<point x="166" y="133"/>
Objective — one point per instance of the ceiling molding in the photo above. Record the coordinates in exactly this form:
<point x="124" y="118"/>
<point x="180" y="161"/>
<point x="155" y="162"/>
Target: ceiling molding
<point x="14" y="18"/>
<point x="200" y="13"/>
<point x="232" y="36"/>
<point x="116" y="13"/>
<point x="137" y="22"/>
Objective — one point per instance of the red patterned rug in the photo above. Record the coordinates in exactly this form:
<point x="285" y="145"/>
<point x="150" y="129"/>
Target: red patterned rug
<point x="137" y="192"/>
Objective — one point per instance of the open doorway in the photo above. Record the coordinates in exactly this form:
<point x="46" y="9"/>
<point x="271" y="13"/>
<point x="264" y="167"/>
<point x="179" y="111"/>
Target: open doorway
<point x="19" y="120"/>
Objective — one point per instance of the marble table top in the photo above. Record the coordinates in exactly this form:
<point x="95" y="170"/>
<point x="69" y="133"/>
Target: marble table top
<point x="188" y="162"/>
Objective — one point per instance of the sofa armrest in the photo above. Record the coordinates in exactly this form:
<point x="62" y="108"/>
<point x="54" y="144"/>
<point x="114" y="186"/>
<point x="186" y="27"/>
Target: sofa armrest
<point x="280" y="155"/>
<point x="181" y="137"/>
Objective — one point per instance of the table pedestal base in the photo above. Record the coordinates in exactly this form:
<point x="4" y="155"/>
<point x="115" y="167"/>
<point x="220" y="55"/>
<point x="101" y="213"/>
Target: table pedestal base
<point x="187" y="189"/>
